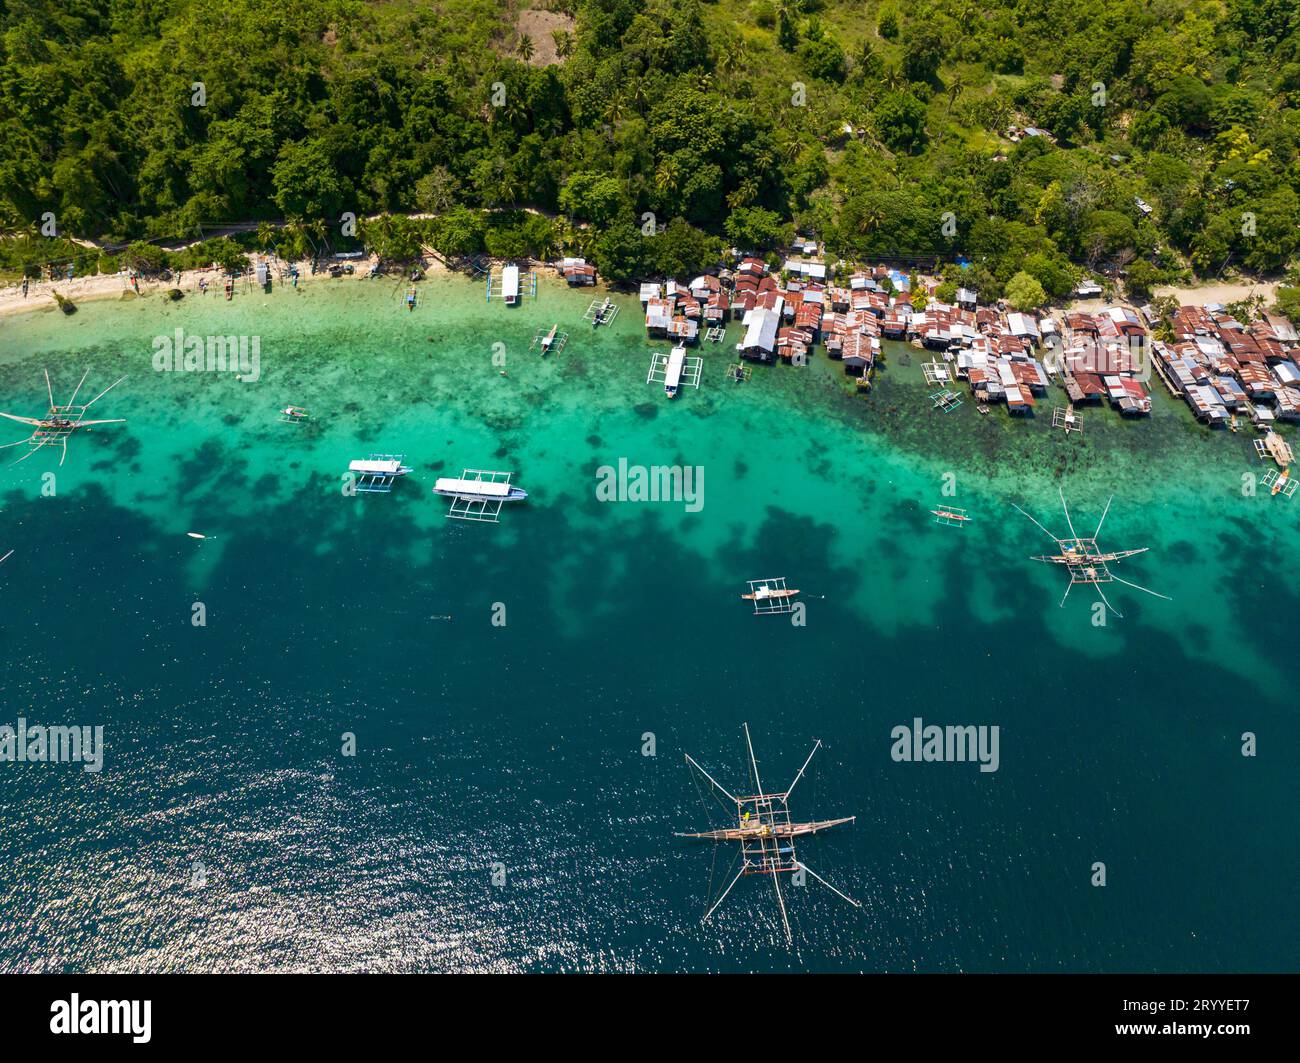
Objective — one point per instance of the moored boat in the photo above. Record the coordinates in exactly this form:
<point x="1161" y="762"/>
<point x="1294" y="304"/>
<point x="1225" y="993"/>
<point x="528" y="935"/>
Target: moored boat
<point x="950" y="515"/>
<point x="673" y="372"/>
<point x="766" y="593"/>
<point x="382" y="467"/>
<point x="486" y="490"/>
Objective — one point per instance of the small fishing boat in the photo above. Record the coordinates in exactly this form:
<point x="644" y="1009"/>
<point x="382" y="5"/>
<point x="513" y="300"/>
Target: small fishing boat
<point x="294" y="414"/>
<point x="548" y="340"/>
<point x="410" y="299"/>
<point x="1279" y="484"/>
<point x="6" y="557"/>
<point x="765" y="592"/>
<point x="951" y="515"/>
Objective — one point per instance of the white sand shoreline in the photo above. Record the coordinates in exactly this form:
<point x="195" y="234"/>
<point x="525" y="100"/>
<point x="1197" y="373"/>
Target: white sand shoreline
<point x="100" y="286"/>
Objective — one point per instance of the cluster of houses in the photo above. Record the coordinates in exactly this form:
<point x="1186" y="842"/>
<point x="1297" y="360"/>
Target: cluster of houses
<point x="1003" y="356"/>
<point x="784" y="318"/>
<point x="1226" y="370"/>
<point x="1104" y="356"/>
<point x="1222" y="368"/>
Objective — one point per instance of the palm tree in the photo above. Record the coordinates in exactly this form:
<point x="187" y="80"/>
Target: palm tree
<point x="668" y="177"/>
<point x="525" y="48"/>
<point x="893" y="77"/>
<point x="746" y="192"/>
<point x="956" y="86"/>
<point x="377" y="234"/>
<point x="871" y="218"/>
<point x="614" y="109"/>
<point x="583" y="240"/>
<point x="265" y="234"/>
<point x="638" y="96"/>
<point x="563" y="43"/>
<point x="295" y="237"/>
<point x="547" y="244"/>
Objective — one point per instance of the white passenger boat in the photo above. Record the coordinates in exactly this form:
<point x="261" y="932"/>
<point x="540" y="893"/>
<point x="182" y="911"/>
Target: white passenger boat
<point x="673" y="372"/>
<point x="382" y="467"/>
<point x="510" y="285"/>
<point x="480" y="490"/>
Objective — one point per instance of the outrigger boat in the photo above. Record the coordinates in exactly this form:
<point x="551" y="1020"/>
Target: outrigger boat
<point x="478" y="490"/>
<point x="1085" y="561"/>
<point x="59" y="421"/>
<point x="377" y="473"/>
<point x="765" y="593"/>
<point x="1280" y="483"/>
<point x="766" y="832"/>
<point x="602" y="313"/>
<point x="479" y="494"/>
<point x="951" y="515"/>
<point x="410" y="299"/>
<point x="549" y="339"/>
<point x="294" y="415"/>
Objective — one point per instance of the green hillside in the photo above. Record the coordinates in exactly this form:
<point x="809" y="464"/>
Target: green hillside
<point x="880" y="127"/>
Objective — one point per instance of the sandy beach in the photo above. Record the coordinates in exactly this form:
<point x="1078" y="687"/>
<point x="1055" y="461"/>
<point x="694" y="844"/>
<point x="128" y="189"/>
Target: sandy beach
<point x="40" y="294"/>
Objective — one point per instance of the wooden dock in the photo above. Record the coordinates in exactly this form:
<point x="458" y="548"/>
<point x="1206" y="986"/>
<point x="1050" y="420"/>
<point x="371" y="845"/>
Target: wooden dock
<point x="1278" y="449"/>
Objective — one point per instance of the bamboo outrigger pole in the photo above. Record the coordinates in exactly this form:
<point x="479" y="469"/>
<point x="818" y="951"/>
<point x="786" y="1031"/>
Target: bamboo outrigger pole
<point x="766" y="834"/>
<point x="1085" y="561"/>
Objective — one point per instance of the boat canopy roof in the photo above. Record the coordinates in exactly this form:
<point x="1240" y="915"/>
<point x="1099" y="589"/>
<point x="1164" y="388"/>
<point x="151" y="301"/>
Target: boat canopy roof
<point x="673" y="373"/>
<point x="451" y="486"/>
<point x="372" y="467"/>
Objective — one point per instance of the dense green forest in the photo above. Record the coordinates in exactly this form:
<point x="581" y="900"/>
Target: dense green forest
<point x="881" y="127"/>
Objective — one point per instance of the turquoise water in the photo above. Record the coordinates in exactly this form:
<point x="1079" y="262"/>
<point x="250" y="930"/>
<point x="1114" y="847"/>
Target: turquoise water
<point x="228" y="832"/>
